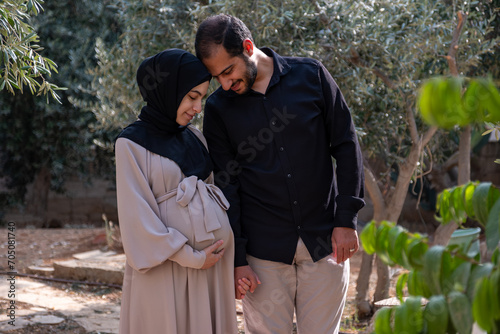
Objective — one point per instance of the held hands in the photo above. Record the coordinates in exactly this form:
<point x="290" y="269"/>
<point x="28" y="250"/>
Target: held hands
<point x="245" y="279"/>
<point x="211" y="255"/>
<point x="345" y="243"/>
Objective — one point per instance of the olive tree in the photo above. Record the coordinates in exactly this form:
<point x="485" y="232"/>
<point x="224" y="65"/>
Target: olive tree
<point x="40" y="143"/>
<point x="378" y="52"/>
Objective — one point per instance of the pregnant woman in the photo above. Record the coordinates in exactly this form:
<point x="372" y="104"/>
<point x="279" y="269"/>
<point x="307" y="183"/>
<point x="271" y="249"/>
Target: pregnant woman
<point x="175" y="231"/>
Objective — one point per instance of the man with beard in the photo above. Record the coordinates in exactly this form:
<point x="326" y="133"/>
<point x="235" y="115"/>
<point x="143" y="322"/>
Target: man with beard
<point x="273" y="128"/>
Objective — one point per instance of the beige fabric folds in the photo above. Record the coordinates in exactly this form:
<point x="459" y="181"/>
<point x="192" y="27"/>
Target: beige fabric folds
<point x="166" y="220"/>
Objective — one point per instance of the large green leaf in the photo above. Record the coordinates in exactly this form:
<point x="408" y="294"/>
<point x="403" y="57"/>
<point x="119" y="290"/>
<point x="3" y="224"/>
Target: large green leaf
<point x="393" y="236"/>
<point x="458" y="279"/>
<point x="440" y="102"/>
<point x="493" y="227"/>
<point x="415" y="310"/>
<point x="480" y="201"/>
<point x="467" y="194"/>
<point x="432" y="268"/>
<point x="416" y="251"/>
<point x="401" y="319"/>
<point x="478" y="272"/>
<point x="382" y="243"/>
<point x="400" y="285"/>
<point x="383" y="321"/>
<point x="436" y="315"/>
<point x="481" y="307"/>
<point x="460" y="312"/>
<point x="368" y="237"/>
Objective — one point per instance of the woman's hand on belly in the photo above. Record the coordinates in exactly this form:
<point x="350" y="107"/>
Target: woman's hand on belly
<point x="212" y="255"/>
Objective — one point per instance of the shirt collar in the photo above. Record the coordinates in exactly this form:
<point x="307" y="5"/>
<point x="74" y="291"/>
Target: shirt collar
<point x="281" y="66"/>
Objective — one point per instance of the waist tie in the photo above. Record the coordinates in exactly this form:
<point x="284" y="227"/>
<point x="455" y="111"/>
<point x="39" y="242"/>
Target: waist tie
<point x="201" y="200"/>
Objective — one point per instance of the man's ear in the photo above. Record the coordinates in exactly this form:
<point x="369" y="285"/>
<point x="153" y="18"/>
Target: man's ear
<point x="248" y="47"/>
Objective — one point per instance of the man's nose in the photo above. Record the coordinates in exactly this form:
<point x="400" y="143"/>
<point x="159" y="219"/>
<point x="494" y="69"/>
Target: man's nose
<point x="226" y="83"/>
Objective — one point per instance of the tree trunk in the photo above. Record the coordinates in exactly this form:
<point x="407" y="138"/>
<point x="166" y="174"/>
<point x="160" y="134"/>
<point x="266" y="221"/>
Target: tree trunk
<point x="443" y="232"/>
<point x="383" y="281"/>
<point x="37" y="200"/>
<point x="363" y="303"/>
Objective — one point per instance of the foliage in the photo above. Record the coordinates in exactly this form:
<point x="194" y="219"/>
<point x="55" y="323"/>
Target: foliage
<point x="20" y="61"/>
<point x="35" y="135"/>
<point x="444" y="102"/>
<point x="480" y="202"/>
<point x="377" y="51"/>
<point x="458" y="290"/>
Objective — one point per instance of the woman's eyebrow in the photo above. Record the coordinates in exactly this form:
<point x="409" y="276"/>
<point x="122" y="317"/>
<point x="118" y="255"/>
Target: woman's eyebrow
<point x="195" y="91"/>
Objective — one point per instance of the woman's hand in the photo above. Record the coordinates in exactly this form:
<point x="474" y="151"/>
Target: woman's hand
<point x="211" y="255"/>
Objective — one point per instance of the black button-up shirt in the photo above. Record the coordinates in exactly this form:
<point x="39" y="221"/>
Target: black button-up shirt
<point x="273" y="160"/>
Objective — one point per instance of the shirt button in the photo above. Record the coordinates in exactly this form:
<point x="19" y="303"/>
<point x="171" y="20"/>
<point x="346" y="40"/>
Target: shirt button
<point x="265" y="98"/>
<point x="281" y="148"/>
<point x="295" y="202"/>
<point x="289" y="176"/>
<point x="298" y="227"/>
<point x="273" y="122"/>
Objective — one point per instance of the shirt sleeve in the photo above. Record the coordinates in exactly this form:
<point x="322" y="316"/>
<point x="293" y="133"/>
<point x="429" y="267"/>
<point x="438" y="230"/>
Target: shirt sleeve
<point x="146" y="240"/>
<point x="344" y="148"/>
<point x="225" y="175"/>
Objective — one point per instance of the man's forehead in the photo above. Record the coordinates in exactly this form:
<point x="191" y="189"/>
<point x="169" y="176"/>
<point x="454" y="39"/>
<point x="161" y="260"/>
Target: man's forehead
<point x="218" y="61"/>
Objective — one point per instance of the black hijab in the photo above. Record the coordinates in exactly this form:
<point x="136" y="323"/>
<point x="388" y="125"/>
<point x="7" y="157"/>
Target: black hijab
<point x="164" y="80"/>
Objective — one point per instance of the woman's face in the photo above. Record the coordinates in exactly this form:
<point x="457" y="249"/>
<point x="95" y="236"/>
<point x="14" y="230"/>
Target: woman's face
<point x="191" y="104"/>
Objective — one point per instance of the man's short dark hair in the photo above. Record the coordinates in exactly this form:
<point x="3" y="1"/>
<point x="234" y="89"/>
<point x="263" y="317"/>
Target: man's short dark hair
<point x="222" y="29"/>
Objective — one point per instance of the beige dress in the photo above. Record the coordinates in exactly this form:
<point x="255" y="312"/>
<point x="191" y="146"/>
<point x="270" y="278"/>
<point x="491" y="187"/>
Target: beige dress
<point x="166" y="220"/>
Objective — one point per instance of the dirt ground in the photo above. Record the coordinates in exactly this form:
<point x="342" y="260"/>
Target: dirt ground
<point x="41" y="247"/>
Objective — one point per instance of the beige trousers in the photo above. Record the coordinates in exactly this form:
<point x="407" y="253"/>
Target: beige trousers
<point x="316" y="291"/>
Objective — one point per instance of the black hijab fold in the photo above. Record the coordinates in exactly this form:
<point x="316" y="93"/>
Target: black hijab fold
<point x="164" y="80"/>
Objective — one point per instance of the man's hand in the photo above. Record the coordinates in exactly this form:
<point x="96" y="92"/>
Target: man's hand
<point x="345" y="243"/>
<point x="245" y="279"/>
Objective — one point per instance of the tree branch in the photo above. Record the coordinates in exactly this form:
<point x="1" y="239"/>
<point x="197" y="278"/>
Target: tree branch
<point x="412" y="125"/>
<point x="452" y="52"/>
<point x="379" y="205"/>
<point x="356" y="60"/>
<point x="428" y="135"/>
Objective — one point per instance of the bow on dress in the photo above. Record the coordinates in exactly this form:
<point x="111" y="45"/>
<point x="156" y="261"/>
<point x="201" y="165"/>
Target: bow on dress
<point x="199" y="198"/>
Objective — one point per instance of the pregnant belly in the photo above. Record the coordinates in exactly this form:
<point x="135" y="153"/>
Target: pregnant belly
<point x="190" y="221"/>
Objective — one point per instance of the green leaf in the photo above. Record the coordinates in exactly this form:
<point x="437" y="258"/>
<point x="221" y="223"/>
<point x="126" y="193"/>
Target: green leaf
<point x="392" y="237"/>
<point x="416" y="251"/>
<point x="382" y="244"/>
<point x="478" y="272"/>
<point x="436" y="315"/>
<point x="383" y="321"/>
<point x="432" y="268"/>
<point x="495" y="293"/>
<point x="460" y="312"/>
<point x="492" y="230"/>
<point x="400" y="249"/>
<point x="368" y="237"/>
<point x="480" y="200"/>
<point x="415" y="311"/>
<point x="458" y="279"/>
<point x="401" y="319"/>
<point x="481" y="306"/>
<point x="467" y="194"/>
<point x="415" y="280"/>
<point x="400" y="285"/>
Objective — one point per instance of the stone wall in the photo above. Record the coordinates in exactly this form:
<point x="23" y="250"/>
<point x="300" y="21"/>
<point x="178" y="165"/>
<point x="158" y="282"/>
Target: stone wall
<point x="81" y="204"/>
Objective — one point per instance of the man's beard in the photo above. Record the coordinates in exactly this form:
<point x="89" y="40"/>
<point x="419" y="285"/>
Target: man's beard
<point x="250" y="74"/>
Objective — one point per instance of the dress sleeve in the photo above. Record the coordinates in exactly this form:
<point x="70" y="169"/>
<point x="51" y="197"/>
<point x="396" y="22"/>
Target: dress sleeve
<point x="344" y="148"/>
<point x="146" y="240"/>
